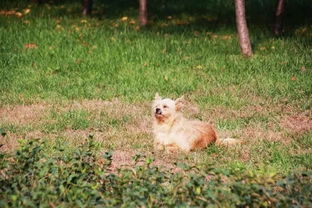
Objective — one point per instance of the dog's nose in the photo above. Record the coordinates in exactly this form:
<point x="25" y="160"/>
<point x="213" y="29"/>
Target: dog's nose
<point x="158" y="110"/>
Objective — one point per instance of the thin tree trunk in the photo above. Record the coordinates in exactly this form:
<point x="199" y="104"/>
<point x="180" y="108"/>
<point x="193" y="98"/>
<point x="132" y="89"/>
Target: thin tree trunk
<point x="87" y="7"/>
<point x="242" y="29"/>
<point x="279" y="13"/>
<point x="143" y="12"/>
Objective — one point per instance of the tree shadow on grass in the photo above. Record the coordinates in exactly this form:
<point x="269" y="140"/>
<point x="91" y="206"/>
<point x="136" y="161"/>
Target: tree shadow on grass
<point x="258" y="11"/>
<point x="222" y="11"/>
<point x="176" y="16"/>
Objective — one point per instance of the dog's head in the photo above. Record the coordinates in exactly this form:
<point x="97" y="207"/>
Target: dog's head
<point x="165" y="108"/>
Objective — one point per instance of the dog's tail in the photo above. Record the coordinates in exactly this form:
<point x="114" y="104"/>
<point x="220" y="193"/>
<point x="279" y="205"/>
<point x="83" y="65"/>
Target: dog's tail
<point x="228" y="141"/>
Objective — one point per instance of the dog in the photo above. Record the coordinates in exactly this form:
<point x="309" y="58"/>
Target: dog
<point x="173" y="132"/>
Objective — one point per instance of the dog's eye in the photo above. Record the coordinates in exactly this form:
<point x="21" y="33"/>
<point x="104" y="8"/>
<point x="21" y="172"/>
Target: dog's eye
<point x="165" y="106"/>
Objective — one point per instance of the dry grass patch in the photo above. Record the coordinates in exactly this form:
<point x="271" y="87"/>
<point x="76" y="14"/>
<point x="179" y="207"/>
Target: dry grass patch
<point x="136" y="114"/>
<point x="115" y="108"/>
<point x="258" y="133"/>
<point x="125" y="129"/>
<point x="23" y="114"/>
<point x="9" y="142"/>
<point x="298" y="123"/>
<point x="113" y="123"/>
<point x="121" y="158"/>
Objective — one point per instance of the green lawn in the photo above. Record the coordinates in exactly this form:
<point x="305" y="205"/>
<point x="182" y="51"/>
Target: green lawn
<point x="64" y="77"/>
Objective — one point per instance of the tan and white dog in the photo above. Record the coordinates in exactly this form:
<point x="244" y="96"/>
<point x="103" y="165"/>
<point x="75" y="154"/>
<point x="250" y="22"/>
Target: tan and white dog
<point x="173" y="132"/>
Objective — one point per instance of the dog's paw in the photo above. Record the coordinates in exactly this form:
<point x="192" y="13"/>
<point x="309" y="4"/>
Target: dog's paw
<point x="172" y="148"/>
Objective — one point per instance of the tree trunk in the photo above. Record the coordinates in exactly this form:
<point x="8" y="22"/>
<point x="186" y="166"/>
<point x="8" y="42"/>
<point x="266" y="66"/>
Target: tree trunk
<point x="87" y="7"/>
<point x="143" y="12"/>
<point x="242" y="29"/>
<point x="279" y="13"/>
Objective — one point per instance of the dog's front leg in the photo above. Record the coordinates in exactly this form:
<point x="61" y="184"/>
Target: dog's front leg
<point x="184" y="145"/>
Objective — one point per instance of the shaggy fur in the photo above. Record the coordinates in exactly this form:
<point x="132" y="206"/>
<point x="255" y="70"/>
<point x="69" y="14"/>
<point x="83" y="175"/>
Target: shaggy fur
<point x="172" y="131"/>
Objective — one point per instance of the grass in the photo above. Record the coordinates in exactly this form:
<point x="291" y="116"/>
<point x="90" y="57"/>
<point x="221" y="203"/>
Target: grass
<point x="70" y="120"/>
<point x="80" y="58"/>
<point x="64" y="77"/>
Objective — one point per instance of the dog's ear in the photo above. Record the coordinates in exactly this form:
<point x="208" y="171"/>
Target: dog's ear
<point x="157" y="97"/>
<point x="179" y="103"/>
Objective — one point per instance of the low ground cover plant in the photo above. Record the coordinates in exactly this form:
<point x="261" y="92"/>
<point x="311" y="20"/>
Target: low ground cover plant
<point x="33" y="177"/>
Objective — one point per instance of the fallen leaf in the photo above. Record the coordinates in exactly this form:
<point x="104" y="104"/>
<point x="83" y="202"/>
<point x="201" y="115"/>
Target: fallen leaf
<point x="26" y="11"/>
<point x="18" y="14"/>
<point x="293" y="78"/>
<point x="59" y="27"/>
<point x="78" y="61"/>
<point x="211" y="19"/>
<point x="182" y="22"/>
<point x="303" y="69"/>
<point x="301" y="30"/>
<point x="199" y="67"/>
<point x="196" y="33"/>
<point x="226" y="37"/>
<point x="30" y="45"/>
<point x="124" y="19"/>
<point x="7" y="12"/>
